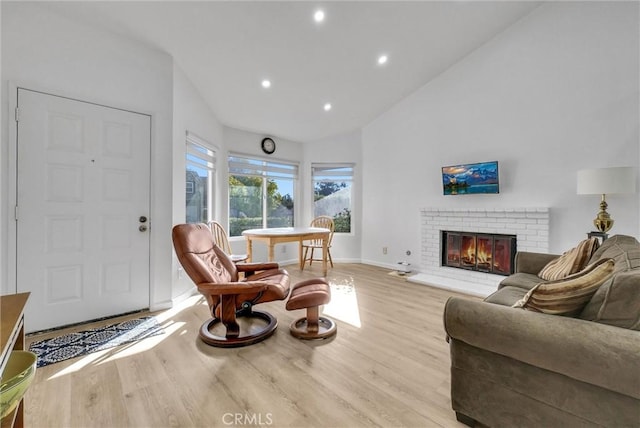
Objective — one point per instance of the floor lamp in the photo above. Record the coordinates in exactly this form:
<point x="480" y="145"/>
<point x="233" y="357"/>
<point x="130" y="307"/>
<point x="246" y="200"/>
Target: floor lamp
<point x="606" y="181"/>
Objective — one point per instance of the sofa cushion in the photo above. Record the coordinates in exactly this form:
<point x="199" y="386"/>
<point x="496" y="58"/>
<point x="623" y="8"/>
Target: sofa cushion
<point x="625" y="250"/>
<point x="567" y="296"/>
<point x="617" y="301"/>
<point x="523" y="280"/>
<point x="506" y="296"/>
<point x="570" y="262"/>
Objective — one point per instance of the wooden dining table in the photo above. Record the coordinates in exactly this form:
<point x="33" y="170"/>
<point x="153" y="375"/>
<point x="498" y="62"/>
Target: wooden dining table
<point x="279" y="235"/>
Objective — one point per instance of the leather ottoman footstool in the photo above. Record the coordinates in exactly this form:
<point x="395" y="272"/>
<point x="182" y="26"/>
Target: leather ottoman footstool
<point x="309" y="295"/>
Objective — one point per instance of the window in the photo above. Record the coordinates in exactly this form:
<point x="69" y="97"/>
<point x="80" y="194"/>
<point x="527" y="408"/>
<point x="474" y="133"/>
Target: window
<point x="261" y="193"/>
<point x="332" y="184"/>
<point x="199" y="182"/>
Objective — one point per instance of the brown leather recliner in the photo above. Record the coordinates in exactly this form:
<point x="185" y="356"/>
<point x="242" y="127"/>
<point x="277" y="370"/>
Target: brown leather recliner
<point x="230" y="300"/>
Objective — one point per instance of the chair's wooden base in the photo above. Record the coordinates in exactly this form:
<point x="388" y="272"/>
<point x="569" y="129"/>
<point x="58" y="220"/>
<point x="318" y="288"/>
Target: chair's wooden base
<point x="233" y="340"/>
<point x="302" y="329"/>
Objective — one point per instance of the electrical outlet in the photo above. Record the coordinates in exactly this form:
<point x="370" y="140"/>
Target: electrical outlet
<point x="384" y="250"/>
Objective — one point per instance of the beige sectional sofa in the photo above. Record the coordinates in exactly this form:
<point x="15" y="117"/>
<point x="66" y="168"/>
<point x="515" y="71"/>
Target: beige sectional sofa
<point x="515" y="367"/>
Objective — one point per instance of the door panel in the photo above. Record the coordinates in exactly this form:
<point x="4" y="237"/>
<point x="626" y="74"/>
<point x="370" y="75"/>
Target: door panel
<point x="83" y="183"/>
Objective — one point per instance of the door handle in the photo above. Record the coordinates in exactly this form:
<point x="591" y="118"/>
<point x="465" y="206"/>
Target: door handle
<point x="142" y="219"/>
<point x="142" y="228"/>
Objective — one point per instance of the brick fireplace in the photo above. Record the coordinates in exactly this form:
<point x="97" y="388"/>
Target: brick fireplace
<point x="530" y="226"/>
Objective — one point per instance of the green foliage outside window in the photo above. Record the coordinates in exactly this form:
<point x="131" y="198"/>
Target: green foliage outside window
<point x="238" y="225"/>
<point x="342" y="221"/>
<point x="326" y="188"/>
<point x="330" y="199"/>
<point x="245" y="203"/>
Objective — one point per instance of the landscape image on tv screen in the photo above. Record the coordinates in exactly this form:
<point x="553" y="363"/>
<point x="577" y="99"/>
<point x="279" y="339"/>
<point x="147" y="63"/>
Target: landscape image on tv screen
<point x="470" y="178"/>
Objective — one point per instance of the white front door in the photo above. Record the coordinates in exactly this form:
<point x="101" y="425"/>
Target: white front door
<point x="82" y="212"/>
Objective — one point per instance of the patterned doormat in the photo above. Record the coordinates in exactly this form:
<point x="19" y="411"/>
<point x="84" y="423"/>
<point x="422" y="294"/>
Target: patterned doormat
<point x="85" y="342"/>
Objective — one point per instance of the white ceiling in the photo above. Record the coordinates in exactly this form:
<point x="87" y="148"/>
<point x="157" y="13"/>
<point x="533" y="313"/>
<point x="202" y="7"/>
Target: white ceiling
<point x="227" y="48"/>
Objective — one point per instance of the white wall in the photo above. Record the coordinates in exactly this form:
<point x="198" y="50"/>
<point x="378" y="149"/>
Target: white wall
<point x="248" y="143"/>
<point x="191" y="113"/>
<point x="42" y="50"/>
<point x="341" y="148"/>
<point x="555" y="93"/>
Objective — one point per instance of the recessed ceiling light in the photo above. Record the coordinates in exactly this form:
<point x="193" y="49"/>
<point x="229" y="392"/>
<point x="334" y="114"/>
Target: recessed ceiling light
<point x="327" y="107"/>
<point x="318" y="16"/>
<point x="266" y="83"/>
<point x="382" y="59"/>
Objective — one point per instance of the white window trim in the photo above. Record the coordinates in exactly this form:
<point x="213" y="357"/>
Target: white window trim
<point x="192" y="141"/>
<point x="270" y="168"/>
<point x="273" y="166"/>
<point x="339" y="177"/>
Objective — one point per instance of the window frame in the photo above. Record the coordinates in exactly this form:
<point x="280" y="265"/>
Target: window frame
<point x="194" y="146"/>
<point x="323" y="170"/>
<point x="240" y="164"/>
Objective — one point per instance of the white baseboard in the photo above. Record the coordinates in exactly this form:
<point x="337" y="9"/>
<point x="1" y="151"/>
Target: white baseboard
<point x="390" y="266"/>
<point x="175" y="301"/>
<point x="161" y="306"/>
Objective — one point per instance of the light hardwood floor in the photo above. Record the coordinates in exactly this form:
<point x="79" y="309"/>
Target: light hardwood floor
<point x="391" y="371"/>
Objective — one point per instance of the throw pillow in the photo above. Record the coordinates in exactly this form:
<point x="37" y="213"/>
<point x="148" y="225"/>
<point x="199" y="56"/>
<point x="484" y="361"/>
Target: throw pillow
<point x="617" y="301"/>
<point x="567" y="296"/>
<point x="570" y="262"/>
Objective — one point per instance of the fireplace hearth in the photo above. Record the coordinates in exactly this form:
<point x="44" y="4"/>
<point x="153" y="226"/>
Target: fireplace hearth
<point x="482" y="252"/>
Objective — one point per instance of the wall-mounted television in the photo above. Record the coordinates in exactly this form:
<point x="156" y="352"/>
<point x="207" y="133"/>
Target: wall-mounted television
<point x="471" y="178"/>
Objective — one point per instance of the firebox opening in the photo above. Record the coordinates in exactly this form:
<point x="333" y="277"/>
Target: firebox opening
<point x="483" y="252"/>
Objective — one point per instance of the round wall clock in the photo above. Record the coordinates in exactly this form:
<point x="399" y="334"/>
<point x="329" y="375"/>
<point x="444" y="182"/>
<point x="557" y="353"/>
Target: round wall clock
<point x="268" y="145"/>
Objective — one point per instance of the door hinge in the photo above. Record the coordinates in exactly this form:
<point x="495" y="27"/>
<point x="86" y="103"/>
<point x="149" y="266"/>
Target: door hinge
<point x="17" y="114"/>
<point x="15" y="212"/>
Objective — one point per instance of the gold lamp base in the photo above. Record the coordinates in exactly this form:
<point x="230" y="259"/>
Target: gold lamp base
<point x="603" y="222"/>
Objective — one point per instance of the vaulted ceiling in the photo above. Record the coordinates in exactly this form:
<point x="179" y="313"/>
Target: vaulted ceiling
<point x="227" y="49"/>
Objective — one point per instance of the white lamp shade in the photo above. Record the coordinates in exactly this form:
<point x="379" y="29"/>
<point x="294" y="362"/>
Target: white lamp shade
<point x="607" y="181"/>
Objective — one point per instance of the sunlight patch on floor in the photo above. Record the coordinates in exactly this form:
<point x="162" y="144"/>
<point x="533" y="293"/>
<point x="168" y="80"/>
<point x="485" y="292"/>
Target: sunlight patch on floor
<point x="344" y="302"/>
<point x="122" y="351"/>
<point x="164" y="319"/>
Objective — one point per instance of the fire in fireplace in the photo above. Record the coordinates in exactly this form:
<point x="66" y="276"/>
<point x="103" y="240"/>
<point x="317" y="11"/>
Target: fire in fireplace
<point x="483" y="252"/>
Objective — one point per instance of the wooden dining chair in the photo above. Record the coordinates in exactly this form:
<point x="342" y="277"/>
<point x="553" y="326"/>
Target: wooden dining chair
<point x="221" y="239"/>
<point x="325" y="222"/>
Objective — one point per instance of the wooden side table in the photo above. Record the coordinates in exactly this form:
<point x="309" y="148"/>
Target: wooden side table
<point x="12" y="339"/>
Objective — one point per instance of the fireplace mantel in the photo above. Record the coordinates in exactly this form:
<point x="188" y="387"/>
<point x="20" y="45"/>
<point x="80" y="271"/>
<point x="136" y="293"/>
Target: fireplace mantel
<point x="530" y="225"/>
